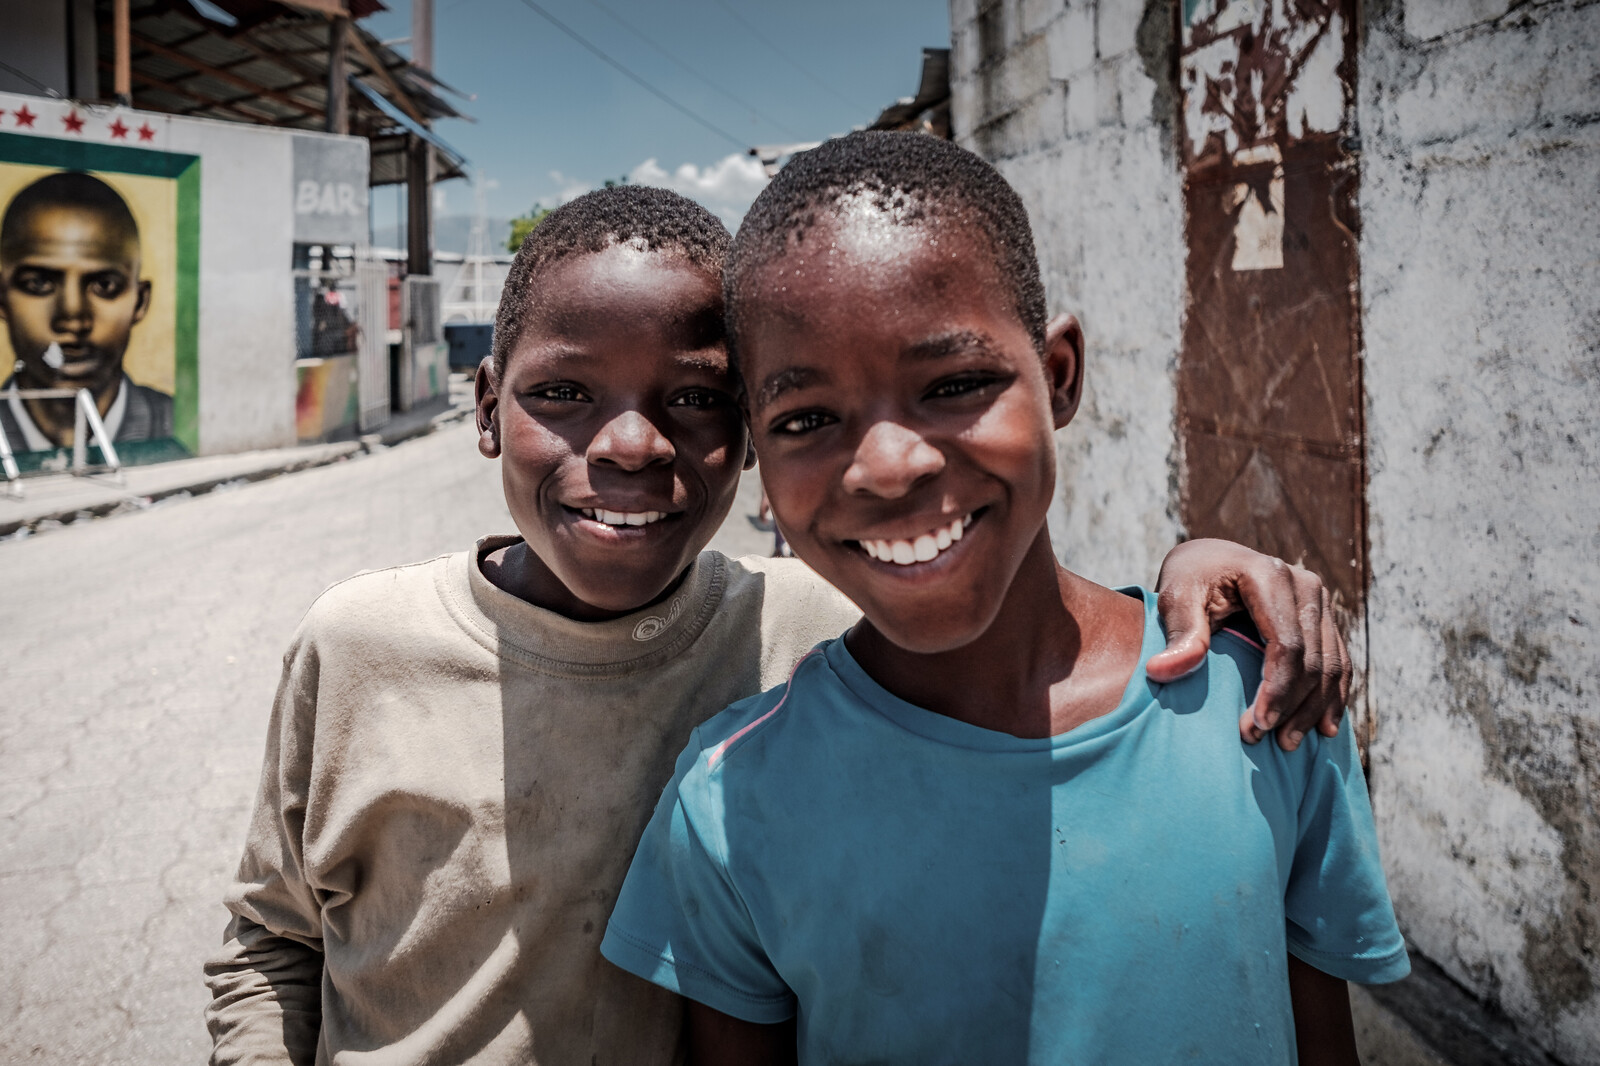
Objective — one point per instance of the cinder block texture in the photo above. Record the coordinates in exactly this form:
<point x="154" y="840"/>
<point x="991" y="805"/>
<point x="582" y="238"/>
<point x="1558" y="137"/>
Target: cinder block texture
<point x="1478" y="268"/>
<point x="1075" y="131"/>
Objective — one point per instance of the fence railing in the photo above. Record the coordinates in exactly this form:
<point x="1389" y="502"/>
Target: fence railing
<point x="86" y="425"/>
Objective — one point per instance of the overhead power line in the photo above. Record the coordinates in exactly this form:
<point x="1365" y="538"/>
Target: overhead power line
<point x="631" y="76"/>
<point x="691" y="71"/>
<point x="793" y="62"/>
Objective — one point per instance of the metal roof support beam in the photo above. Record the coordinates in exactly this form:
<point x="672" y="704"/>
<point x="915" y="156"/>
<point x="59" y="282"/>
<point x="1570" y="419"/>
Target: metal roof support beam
<point x="399" y="95"/>
<point x="122" y="62"/>
<point x="419" y="206"/>
<point x="338" y="87"/>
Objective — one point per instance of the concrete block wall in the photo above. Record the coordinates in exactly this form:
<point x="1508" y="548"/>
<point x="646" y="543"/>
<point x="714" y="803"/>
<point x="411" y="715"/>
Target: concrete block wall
<point x="1061" y="98"/>
<point x="1480" y="269"/>
<point x="1480" y="203"/>
<point x="247" y="374"/>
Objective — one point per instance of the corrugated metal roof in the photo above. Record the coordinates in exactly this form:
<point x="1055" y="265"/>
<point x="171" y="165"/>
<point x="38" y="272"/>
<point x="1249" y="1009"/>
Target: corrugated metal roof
<point x="271" y="67"/>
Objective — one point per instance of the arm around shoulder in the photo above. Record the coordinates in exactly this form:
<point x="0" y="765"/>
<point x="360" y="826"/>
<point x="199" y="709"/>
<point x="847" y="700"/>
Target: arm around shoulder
<point x="266" y="982"/>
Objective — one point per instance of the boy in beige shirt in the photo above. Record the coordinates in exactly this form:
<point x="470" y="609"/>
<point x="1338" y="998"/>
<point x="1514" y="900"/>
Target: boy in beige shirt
<point x="464" y="752"/>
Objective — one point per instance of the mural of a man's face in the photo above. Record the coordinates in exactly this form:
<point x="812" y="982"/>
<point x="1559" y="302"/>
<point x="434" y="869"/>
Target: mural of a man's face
<point x="69" y="277"/>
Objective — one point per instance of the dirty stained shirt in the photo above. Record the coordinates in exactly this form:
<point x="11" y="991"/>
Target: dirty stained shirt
<point x="454" y="783"/>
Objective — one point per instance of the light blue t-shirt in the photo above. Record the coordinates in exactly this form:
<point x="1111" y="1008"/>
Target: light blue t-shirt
<point x="923" y="890"/>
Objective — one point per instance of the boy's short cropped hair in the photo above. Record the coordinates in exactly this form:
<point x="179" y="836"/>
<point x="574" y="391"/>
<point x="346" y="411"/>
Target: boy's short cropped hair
<point x="654" y="219"/>
<point x="912" y="178"/>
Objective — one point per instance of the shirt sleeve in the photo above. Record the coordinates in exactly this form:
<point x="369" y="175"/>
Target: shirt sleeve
<point x="1340" y="919"/>
<point x="266" y="982"/>
<point x="680" y="921"/>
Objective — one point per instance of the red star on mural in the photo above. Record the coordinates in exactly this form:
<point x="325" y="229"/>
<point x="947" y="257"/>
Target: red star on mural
<point x="25" y="117"/>
<point x="119" y="131"/>
<point x="73" y="123"/>
<point x="146" y="133"/>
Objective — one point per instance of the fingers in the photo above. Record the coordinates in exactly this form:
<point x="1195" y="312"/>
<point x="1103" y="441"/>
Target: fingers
<point x="1303" y="710"/>
<point x="1272" y="596"/>
<point x="1183" y="613"/>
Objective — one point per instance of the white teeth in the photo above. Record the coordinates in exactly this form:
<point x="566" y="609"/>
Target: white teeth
<point x="622" y="518"/>
<point x="919" y="550"/>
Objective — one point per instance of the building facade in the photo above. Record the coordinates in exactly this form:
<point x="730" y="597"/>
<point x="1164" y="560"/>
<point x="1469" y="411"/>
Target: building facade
<point x="1336" y="265"/>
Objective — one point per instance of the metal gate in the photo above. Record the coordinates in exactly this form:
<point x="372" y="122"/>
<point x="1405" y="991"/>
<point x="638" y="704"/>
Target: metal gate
<point x="1269" y="375"/>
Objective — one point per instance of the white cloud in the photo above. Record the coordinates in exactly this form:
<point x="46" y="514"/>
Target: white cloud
<point x="569" y="188"/>
<point x="726" y="188"/>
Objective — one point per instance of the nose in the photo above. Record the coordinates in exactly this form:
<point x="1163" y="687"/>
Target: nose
<point x="890" y="461"/>
<point x="72" y="309"/>
<point x="632" y="442"/>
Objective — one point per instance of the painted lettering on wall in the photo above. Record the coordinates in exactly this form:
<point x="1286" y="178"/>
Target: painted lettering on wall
<point x="327" y="198"/>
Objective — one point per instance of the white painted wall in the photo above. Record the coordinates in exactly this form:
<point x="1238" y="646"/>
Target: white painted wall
<point x="1480" y="259"/>
<point x="247" y="379"/>
<point x="1057" y="96"/>
<point x="1480" y="279"/>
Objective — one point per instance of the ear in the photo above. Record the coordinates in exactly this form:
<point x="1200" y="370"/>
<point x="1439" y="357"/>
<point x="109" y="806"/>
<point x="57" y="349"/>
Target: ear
<point x="142" y="308"/>
<point x="486" y="388"/>
<point x="1063" y="366"/>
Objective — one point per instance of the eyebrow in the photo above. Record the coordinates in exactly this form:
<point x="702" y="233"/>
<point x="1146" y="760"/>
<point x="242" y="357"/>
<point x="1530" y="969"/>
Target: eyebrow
<point x="948" y="344"/>
<point x="701" y="362"/>
<point x="940" y="347"/>
<point x="788" y="380"/>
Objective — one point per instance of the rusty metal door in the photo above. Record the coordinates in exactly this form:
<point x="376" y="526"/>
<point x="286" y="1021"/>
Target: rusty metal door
<point x="1269" y="375"/>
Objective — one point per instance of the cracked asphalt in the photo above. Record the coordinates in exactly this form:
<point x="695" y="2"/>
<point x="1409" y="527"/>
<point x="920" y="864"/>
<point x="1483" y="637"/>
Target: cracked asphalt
<point x="140" y="656"/>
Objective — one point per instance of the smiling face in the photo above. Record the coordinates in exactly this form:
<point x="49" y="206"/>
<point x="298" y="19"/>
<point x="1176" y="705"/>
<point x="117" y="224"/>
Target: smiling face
<point x="619" y="437"/>
<point x="904" y="418"/>
<point x="70" y="278"/>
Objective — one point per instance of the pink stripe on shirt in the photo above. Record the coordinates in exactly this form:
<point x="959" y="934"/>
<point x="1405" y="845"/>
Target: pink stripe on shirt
<point x="1247" y="640"/>
<point x="715" y="754"/>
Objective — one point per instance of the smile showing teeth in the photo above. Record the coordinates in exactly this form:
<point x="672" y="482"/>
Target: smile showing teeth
<point x="622" y="518"/>
<point x="919" y="549"/>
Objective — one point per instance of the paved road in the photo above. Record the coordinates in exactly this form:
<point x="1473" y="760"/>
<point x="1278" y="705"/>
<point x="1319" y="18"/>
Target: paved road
<point x="140" y="657"/>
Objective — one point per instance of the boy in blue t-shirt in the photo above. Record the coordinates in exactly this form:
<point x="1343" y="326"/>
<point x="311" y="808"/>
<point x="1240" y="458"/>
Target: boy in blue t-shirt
<point x="973" y="829"/>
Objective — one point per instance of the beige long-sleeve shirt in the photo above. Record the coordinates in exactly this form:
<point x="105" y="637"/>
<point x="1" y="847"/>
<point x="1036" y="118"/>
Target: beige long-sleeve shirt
<point x="454" y="784"/>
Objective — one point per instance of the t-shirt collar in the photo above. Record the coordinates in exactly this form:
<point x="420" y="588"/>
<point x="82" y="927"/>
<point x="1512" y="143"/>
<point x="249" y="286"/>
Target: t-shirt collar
<point x="557" y="643"/>
<point x="1137" y="696"/>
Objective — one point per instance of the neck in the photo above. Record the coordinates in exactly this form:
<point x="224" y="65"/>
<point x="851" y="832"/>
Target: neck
<point x="515" y="569"/>
<point x="1058" y="653"/>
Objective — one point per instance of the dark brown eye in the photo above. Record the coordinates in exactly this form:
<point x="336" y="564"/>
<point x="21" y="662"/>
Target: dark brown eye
<point x="33" y="282"/>
<point x="803" y="422"/>
<point x="560" y="392"/>
<point x="961" y="386"/>
<point x="703" y="398"/>
<point x="108" y="285"/>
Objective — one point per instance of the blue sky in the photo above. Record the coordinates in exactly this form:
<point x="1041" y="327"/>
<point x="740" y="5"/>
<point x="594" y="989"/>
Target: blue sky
<point x="553" y="120"/>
